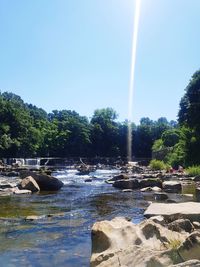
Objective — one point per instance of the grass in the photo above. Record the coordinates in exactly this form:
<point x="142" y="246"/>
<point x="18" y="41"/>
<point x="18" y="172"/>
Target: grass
<point x="157" y="165"/>
<point x="193" y="170"/>
<point x="173" y="243"/>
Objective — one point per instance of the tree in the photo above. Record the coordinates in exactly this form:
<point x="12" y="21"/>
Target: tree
<point x="189" y="117"/>
<point x="104" y="133"/>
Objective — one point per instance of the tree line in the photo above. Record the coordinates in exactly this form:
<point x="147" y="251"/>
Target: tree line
<point x="29" y="131"/>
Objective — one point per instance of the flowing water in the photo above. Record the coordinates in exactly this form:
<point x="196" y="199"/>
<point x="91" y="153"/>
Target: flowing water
<point x="65" y="238"/>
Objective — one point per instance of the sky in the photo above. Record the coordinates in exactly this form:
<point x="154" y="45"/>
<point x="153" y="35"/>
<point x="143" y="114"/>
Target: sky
<point x="76" y="54"/>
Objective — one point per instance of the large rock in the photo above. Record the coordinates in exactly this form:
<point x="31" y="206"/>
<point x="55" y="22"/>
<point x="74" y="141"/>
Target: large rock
<point x="121" y="243"/>
<point x="187" y="210"/>
<point x="29" y="183"/>
<point x="150" y="182"/>
<point x="45" y="182"/>
<point x="127" y="184"/>
<point x="121" y="176"/>
<point x="172" y="186"/>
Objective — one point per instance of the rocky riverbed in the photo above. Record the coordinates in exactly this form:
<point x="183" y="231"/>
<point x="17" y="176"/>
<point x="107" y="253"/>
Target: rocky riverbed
<point x="61" y="221"/>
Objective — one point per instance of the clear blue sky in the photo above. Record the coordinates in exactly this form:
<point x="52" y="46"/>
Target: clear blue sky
<point x="76" y="54"/>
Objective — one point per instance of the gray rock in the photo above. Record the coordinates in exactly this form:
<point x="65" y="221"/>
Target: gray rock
<point x="45" y="182"/>
<point x="29" y="183"/>
<point x="159" y="196"/>
<point x="121" y="176"/>
<point x="150" y="182"/>
<point x="126" y="184"/>
<point x="196" y="178"/>
<point x="188" y="210"/>
<point x="172" y="186"/>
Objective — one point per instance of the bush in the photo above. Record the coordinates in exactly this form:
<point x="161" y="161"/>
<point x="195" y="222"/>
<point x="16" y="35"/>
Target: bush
<point x="157" y="164"/>
<point x="193" y="170"/>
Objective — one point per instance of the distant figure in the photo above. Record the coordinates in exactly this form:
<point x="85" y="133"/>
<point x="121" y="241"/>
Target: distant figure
<point x="171" y="170"/>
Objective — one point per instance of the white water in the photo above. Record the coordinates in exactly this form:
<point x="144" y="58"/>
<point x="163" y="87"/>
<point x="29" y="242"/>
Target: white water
<point x="132" y="76"/>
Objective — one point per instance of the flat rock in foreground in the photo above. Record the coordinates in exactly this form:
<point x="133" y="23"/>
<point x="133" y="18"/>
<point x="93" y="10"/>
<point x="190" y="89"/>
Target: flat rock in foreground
<point x="121" y="243"/>
<point x="189" y="210"/>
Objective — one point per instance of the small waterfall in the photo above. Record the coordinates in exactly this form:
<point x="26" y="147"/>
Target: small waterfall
<point x="32" y="162"/>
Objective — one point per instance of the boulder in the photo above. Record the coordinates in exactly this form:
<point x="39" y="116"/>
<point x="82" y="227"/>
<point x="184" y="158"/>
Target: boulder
<point x="45" y="182"/>
<point x="121" y="243"/>
<point x="29" y="183"/>
<point x="126" y="184"/>
<point x="187" y="210"/>
<point x="150" y="182"/>
<point x="171" y="186"/>
<point x="117" y="178"/>
<point x="159" y="196"/>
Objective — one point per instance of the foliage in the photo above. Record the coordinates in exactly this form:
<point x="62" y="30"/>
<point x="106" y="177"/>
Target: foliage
<point x="193" y="170"/>
<point x="173" y="243"/>
<point x="189" y="117"/>
<point x="157" y="145"/>
<point x="157" y="165"/>
<point x="28" y="131"/>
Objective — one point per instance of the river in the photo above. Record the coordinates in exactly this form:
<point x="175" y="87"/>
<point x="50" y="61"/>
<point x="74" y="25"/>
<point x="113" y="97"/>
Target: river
<point x="63" y="238"/>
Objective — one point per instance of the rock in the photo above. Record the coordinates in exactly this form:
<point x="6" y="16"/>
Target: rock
<point x="197" y="194"/>
<point x="34" y="217"/>
<point x="158" y="219"/>
<point x="196" y="225"/>
<point x="88" y="180"/>
<point x="121" y="243"/>
<point x="187" y="210"/>
<point x="156" y="189"/>
<point x="150" y="182"/>
<point x="126" y="184"/>
<point x="196" y="178"/>
<point x="146" y="189"/>
<point x="190" y="263"/>
<point x="158" y="196"/>
<point x="20" y="192"/>
<point x="45" y="182"/>
<point x="29" y="183"/>
<point x="190" y="248"/>
<point x="181" y="225"/>
<point x="117" y="177"/>
<point x="171" y="186"/>
<point x="150" y="189"/>
<point x="127" y="190"/>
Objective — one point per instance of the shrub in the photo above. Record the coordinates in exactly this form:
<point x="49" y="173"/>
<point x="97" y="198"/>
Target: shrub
<point x="193" y="170"/>
<point x="157" y="164"/>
